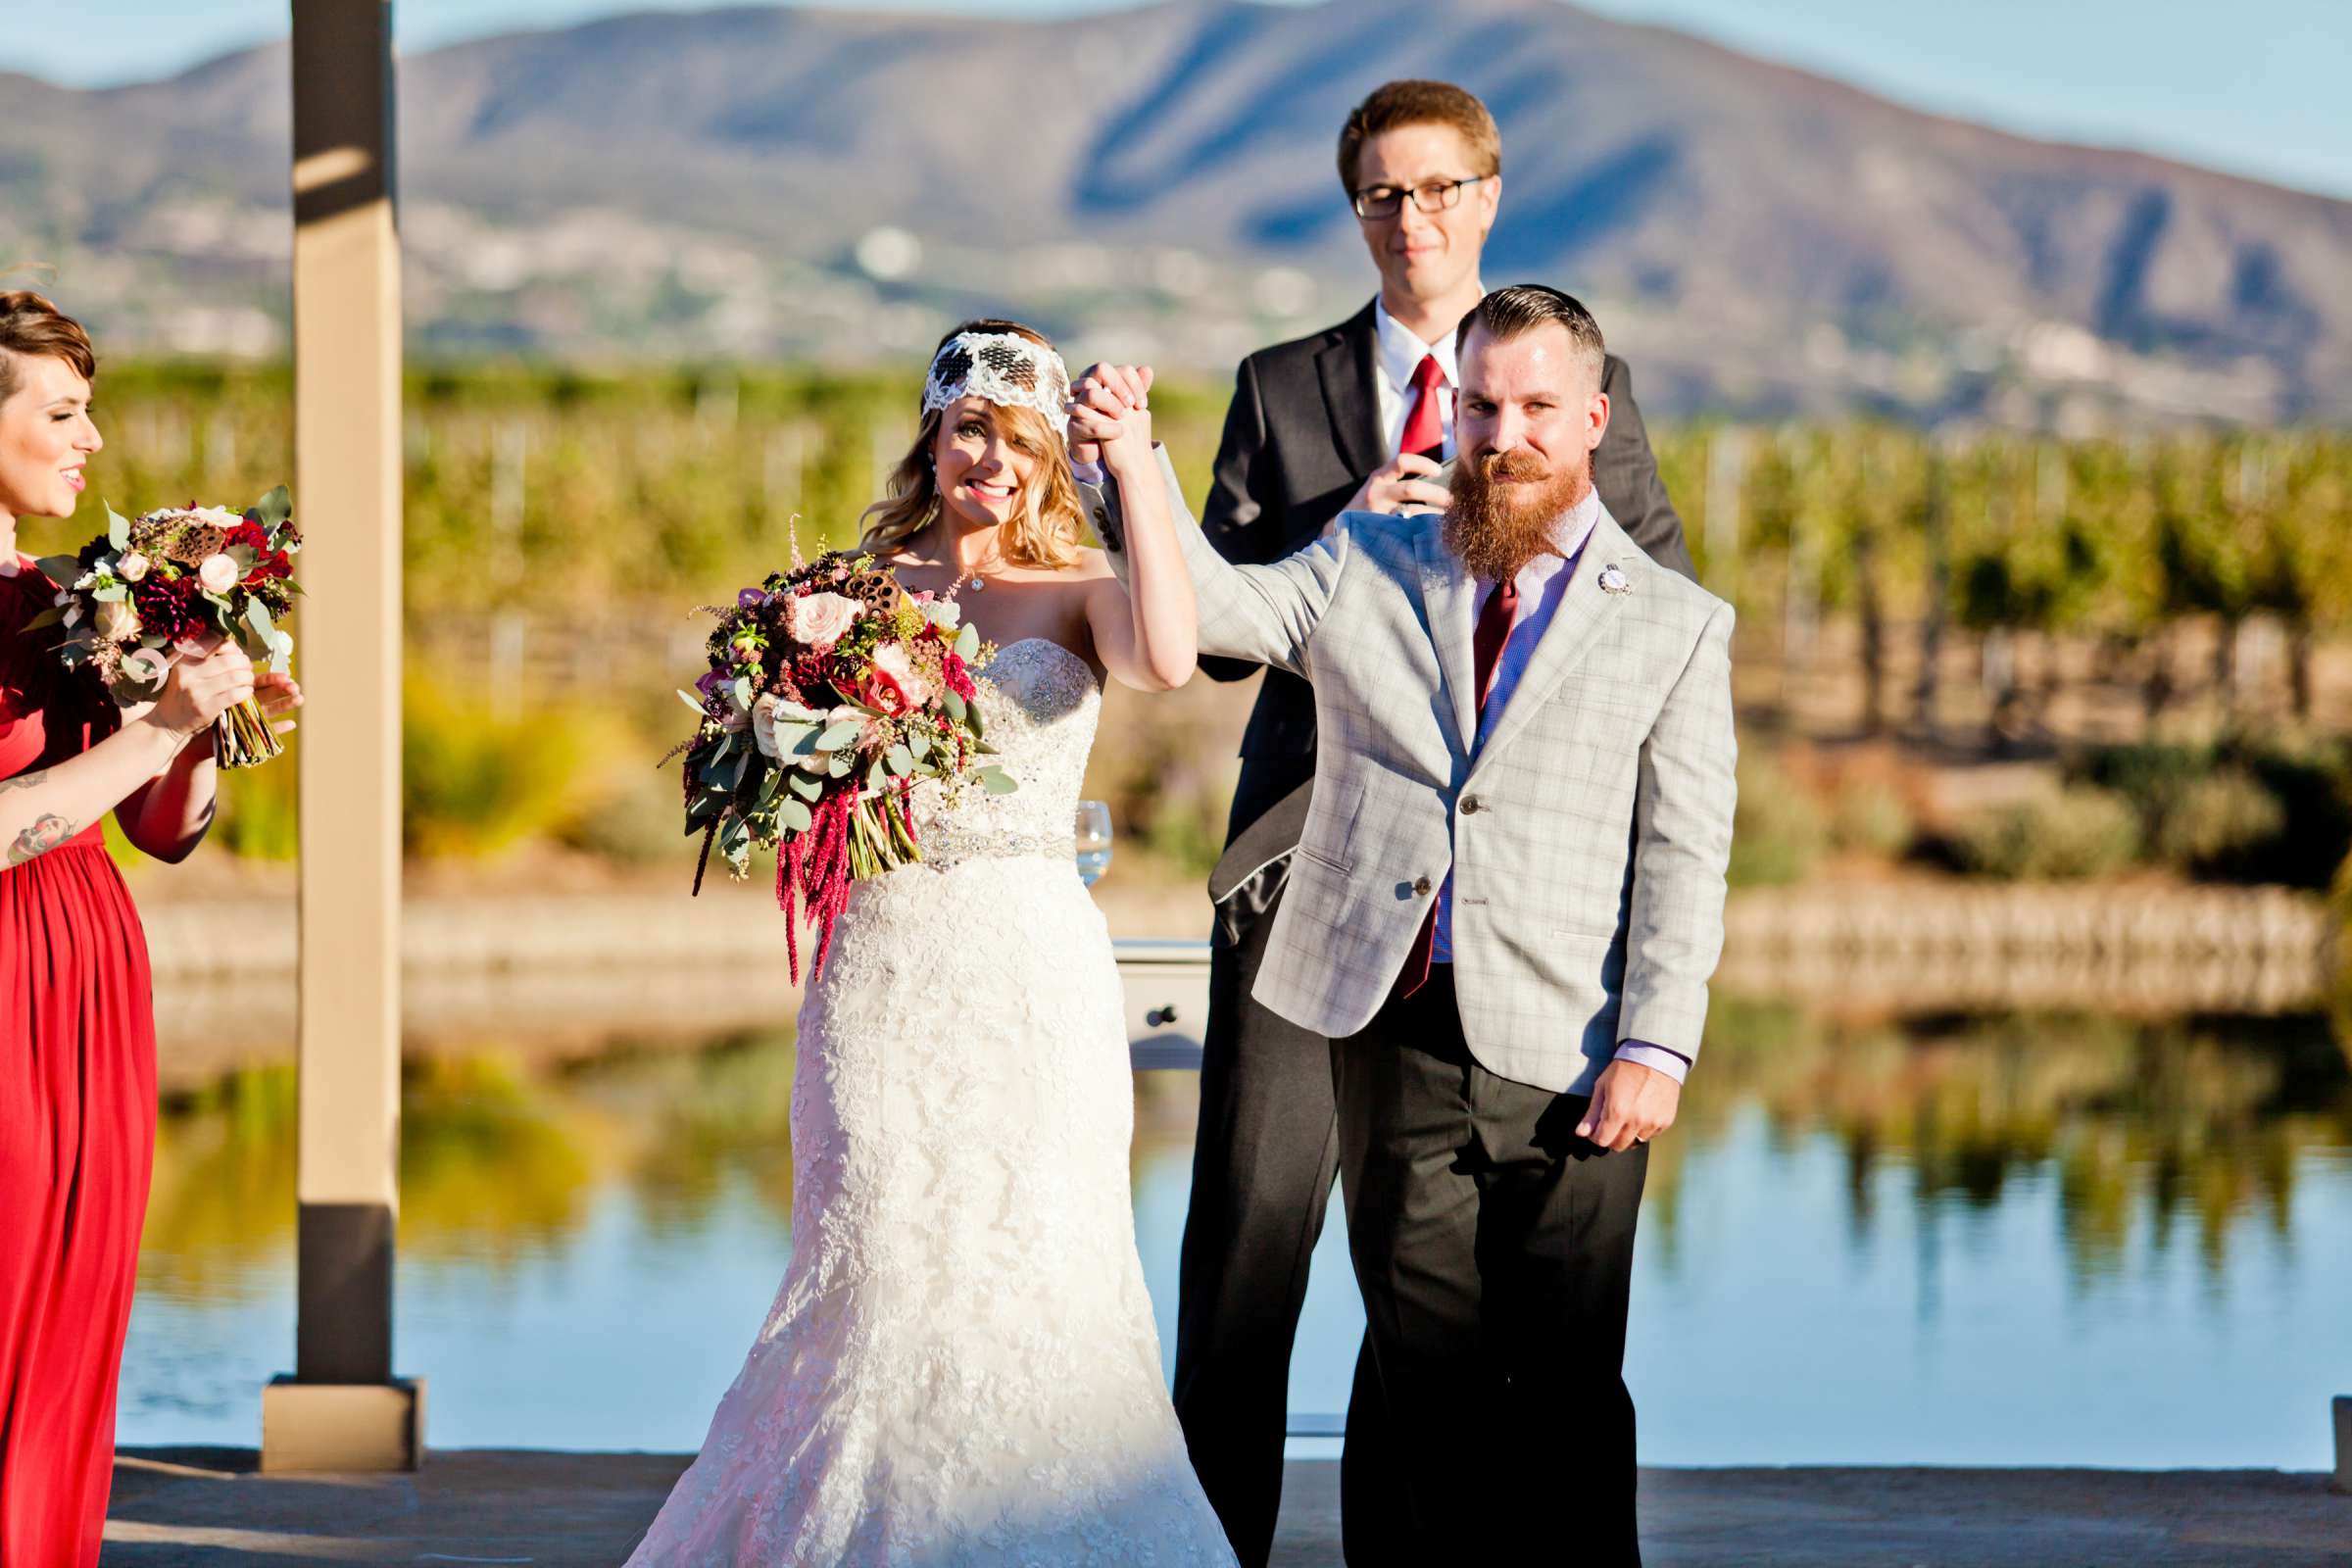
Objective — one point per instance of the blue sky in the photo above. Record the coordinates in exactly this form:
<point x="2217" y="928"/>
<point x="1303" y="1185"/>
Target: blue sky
<point x="2245" y="86"/>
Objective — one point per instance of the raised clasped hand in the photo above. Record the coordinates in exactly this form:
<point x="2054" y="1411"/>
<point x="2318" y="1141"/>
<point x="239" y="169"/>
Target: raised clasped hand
<point x="1630" y="1104"/>
<point x="1110" y="416"/>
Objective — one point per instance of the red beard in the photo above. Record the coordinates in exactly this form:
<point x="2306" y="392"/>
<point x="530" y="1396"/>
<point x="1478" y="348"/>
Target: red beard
<point x="1504" y="505"/>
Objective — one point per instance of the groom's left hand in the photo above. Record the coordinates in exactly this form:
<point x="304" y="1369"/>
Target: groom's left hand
<point x="1630" y="1104"/>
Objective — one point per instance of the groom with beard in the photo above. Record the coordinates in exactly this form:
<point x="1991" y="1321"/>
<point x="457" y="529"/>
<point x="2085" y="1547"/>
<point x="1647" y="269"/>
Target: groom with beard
<point x="1504" y="909"/>
<point x="1358" y="417"/>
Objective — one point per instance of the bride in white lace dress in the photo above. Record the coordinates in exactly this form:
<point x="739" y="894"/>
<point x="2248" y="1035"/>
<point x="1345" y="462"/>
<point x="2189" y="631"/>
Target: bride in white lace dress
<point x="961" y="1366"/>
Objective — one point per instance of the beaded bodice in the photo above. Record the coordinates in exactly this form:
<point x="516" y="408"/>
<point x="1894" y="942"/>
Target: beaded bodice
<point x="1039" y="704"/>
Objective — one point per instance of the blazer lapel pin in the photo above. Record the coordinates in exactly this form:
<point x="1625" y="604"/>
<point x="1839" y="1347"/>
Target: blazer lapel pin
<point x="1613" y="581"/>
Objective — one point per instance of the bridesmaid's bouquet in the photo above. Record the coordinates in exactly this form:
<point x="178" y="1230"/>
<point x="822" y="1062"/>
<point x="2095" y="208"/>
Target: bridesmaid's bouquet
<point x="135" y="597"/>
<point x="832" y="691"/>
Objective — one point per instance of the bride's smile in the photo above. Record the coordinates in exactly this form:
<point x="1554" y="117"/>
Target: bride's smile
<point x="984" y="466"/>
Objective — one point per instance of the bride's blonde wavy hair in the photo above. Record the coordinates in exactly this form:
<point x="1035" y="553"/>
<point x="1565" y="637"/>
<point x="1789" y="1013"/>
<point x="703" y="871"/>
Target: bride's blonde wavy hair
<point x="1052" y="520"/>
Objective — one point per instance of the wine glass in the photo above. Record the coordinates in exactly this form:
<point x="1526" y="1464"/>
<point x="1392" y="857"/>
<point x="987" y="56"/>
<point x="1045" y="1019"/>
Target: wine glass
<point x="1093" y="839"/>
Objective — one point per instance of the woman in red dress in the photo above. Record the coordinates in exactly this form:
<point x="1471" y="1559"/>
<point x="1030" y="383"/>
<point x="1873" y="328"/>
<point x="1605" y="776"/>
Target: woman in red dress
<point x="77" y="1015"/>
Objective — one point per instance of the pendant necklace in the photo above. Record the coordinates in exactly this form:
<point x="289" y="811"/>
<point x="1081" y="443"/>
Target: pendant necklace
<point x="977" y="580"/>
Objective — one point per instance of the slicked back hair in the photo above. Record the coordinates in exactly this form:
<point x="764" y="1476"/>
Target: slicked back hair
<point x="1521" y="308"/>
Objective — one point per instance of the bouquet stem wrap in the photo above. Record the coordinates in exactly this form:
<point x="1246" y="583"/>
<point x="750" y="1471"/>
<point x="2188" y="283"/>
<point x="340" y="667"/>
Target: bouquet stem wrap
<point x="242" y="737"/>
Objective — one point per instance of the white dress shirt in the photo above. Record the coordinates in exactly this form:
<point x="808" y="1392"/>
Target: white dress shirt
<point x="1542" y="584"/>
<point x="1400" y="355"/>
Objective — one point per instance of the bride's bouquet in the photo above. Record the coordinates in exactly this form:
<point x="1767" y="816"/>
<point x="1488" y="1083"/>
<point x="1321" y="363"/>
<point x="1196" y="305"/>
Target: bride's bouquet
<point x="135" y="597"/>
<point x="832" y="691"/>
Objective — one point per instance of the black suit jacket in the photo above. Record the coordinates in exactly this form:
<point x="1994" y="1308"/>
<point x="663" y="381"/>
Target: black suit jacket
<point x="1301" y="434"/>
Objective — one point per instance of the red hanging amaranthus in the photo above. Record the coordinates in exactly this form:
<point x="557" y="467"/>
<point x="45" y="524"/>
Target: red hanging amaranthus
<point x="814" y="865"/>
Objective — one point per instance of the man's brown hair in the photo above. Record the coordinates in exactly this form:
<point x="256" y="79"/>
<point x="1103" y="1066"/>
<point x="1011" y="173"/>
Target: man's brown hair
<point x="31" y="327"/>
<point x="1396" y="104"/>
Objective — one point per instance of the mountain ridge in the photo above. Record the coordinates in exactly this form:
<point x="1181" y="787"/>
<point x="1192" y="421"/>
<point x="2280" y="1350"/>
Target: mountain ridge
<point x="764" y="180"/>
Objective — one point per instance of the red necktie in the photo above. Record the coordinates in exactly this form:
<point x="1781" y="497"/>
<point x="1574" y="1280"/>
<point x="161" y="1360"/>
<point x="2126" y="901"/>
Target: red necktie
<point x="1425" y="426"/>
<point x="1486" y="655"/>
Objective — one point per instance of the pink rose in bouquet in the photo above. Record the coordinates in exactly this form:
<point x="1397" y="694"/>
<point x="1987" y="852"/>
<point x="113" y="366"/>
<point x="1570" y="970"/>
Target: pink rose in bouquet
<point x="821" y="619"/>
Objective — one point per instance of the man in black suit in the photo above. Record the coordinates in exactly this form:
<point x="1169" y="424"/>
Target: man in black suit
<point x="1358" y="418"/>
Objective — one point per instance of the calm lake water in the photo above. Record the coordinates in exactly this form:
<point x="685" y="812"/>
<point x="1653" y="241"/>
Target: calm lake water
<point x="1978" y="1241"/>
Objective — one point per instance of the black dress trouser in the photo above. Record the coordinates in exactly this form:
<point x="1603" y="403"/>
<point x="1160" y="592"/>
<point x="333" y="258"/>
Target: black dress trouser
<point x="1267" y="1150"/>
<point x="1494" y="1250"/>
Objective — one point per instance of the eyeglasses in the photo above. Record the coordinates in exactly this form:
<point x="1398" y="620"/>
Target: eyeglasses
<point x="1386" y="201"/>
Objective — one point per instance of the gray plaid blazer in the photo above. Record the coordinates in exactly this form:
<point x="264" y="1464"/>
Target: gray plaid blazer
<point x="1588" y="837"/>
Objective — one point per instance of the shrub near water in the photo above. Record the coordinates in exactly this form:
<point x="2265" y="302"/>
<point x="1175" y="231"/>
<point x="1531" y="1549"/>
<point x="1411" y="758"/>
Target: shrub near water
<point x="2217" y="820"/>
<point x="1778" y="832"/>
<point x="2235" y="812"/>
<point x="478" y="782"/>
<point x="2082" y="831"/>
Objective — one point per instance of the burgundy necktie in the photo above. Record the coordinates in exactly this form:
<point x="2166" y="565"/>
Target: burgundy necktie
<point x="1486" y="655"/>
<point x="1425" y="426"/>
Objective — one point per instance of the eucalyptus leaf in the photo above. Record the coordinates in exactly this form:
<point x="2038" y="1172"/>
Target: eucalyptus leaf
<point x="257" y="615"/>
<point x="112" y="593"/>
<point x="792" y="816"/>
<point x="839" y="767"/>
<point x="899" y="759"/>
<point x="967" y="641"/>
<point x="918" y="744"/>
<point x="54" y="616"/>
<point x="807" y="788"/>
<point x="840" y="735"/>
<point x="742" y="690"/>
<point x="118" y="529"/>
<point x="63" y="571"/>
<point x="693" y="701"/>
<point x="275" y="507"/>
<point x="743" y="765"/>
<point x="996" y="781"/>
<point x="955" y="705"/>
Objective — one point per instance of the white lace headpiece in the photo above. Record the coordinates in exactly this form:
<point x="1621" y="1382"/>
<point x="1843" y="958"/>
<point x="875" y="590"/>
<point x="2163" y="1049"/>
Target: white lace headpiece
<point x="1004" y="368"/>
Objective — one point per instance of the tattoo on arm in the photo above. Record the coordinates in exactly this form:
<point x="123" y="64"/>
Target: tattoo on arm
<point x="45" y="834"/>
<point x="23" y="781"/>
